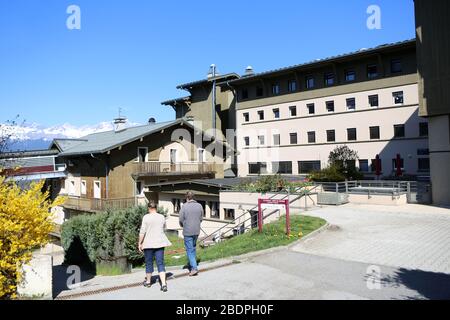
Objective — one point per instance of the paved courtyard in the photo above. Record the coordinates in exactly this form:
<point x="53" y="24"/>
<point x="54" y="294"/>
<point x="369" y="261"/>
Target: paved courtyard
<point x="409" y="236"/>
<point x="291" y="275"/>
<point x="407" y="247"/>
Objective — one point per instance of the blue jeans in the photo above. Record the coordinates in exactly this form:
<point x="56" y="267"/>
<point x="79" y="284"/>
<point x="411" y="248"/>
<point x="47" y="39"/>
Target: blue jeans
<point x="190" y="243"/>
<point x="158" y="254"/>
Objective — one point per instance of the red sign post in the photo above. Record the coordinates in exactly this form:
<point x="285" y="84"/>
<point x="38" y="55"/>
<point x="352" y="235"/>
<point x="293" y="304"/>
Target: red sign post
<point x="273" y="204"/>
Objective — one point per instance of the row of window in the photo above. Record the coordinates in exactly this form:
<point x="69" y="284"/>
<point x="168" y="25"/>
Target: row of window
<point x="329" y="79"/>
<point x="374" y="133"/>
<point x="212" y="205"/>
<point x="83" y="188"/>
<point x="306" y="167"/>
<point x="397" y="96"/>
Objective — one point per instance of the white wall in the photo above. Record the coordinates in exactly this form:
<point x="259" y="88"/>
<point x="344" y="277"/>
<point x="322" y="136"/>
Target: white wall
<point x="385" y="116"/>
<point x="37" y="278"/>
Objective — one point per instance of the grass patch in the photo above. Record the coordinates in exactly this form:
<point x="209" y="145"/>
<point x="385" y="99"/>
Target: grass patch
<point x="109" y="270"/>
<point x="273" y="235"/>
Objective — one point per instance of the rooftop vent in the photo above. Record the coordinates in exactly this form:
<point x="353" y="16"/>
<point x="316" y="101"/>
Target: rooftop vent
<point x="151" y="121"/>
<point x="212" y="71"/>
<point x="120" y="124"/>
<point x="249" y="71"/>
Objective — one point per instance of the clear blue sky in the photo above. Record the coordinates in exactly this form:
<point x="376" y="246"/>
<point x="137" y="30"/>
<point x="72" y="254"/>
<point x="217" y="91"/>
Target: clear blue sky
<point x="133" y="53"/>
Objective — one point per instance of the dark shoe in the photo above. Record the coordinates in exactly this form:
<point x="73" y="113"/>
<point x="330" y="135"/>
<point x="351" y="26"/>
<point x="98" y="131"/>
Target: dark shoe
<point x="193" y="273"/>
<point x="164" y="288"/>
<point x="147" y="284"/>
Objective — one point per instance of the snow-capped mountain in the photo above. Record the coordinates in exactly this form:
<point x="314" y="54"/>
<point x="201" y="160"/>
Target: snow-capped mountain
<point x="34" y="136"/>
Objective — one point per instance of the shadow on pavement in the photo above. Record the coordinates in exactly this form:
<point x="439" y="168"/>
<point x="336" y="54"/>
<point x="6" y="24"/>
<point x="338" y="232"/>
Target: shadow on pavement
<point x="63" y="275"/>
<point x="428" y="285"/>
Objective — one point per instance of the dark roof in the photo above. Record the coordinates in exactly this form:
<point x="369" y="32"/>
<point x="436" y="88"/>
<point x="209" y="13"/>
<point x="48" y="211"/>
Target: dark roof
<point x="104" y="141"/>
<point x="208" y="80"/>
<point x="32" y="153"/>
<point x="361" y="52"/>
<point x="64" y="144"/>
<point x="176" y="101"/>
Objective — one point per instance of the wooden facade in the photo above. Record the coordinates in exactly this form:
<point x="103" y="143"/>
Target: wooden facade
<point x="119" y="170"/>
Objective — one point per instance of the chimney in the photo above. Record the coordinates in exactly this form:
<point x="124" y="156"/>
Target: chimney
<point x="249" y="71"/>
<point x="120" y="124"/>
<point x="212" y="71"/>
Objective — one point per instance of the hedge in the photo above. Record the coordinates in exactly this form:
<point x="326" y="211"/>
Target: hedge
<point x="92" y="238"/>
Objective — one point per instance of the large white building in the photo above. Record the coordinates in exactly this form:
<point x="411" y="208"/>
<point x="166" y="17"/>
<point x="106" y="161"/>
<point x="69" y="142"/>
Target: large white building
<point x="288" y="120"/>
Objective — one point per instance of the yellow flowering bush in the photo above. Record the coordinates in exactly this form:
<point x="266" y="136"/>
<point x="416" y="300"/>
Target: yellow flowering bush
<point x="25" y="224"/>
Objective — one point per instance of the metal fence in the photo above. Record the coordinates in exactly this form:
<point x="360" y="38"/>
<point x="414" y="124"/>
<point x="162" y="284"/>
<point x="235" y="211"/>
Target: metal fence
<point x="337" y="192"/>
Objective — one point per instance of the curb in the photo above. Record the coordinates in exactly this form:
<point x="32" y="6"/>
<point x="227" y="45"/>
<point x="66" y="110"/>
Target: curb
<point x="217" y="264"/>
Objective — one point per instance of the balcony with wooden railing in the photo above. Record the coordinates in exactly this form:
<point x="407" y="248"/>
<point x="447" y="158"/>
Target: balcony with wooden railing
<point x="96" y="205"/>
<point x="167" y="168"/>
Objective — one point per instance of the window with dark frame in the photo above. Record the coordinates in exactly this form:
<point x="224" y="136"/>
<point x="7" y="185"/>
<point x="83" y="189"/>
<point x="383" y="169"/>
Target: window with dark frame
<point x="261" y="115"/>
<point x="329" y="78"/>
<point x="423" y="129"/>
<point x="399" y="131"/>
<point x="275" y="89"/>
<point x="423" y="164"/>
<point x="374" y="133"/>
<point x="292" y="85"/>
<point x="293" y="111"/>
<point x="351" y="134"/>
<point x="276" y="113"/>
<point x="293" y="138"/>
<point x="229" y="214"/>
<point x="246" y="117"/>
<point x="305" y="167"/>
<point x="214" y="206"/>
<point x="394" y="164"/>
<point x="311" y="137"/>
<point x="372" y="71"/>
<point x="331" y="135"/>
<point x="247" y="141"/>
<point x="373" y="100"/>
<point x="138" y="188"/>
<point x="396" y="65"/>
<point x="311" y="108"/>
<point x="398" y="97"/>
<point x="350" y="75"/>
<point x="364" y="165"/>
<point x="142" y="154"/>
<point x="257" y="168"/>
<point x="282" y="167"/>
<point x="310" y="82"/>
<point x="330" y="106"/>
<point x="351" y="104"/>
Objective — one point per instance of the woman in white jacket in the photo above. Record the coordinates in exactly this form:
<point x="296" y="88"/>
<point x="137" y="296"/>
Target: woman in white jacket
<point x="152" y="241"/>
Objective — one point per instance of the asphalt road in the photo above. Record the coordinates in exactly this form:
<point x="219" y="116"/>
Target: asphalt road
<point x="294" y="275"/>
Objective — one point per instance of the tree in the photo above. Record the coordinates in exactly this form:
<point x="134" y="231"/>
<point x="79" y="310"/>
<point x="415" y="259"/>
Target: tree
<point x="341" y="156"/>
<point x="25" y="224"/>
<point x="344" y="159"/>
<point x="7" y="131"/>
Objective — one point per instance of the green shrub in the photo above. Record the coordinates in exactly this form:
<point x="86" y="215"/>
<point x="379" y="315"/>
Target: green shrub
<point x="89" y="239"/>
<point x="270" y="183"/>
<point x="329" y="174"/>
